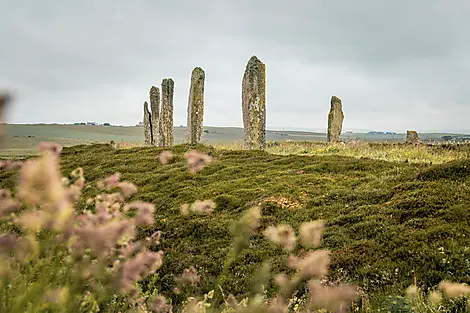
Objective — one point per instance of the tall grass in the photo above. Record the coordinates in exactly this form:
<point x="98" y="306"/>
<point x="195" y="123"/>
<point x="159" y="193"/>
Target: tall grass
<point x="54" y="258"/>
<point x="394" y="152"/>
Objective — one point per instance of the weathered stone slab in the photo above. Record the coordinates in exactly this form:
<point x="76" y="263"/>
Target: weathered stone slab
<point x="194" y="123"/>
<point x="147" y="124"/>
<point x="254" y="104"/>
<point x="166" y="114"/>
<point x="335" y="120"/>
<point x="412" y="137"/>
<point x="155" y="107"/>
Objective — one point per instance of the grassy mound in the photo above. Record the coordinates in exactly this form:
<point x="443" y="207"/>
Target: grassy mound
<point x="387" y="223"/>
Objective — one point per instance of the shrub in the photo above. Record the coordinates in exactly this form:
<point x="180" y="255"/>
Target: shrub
<point x="56" y="259"/>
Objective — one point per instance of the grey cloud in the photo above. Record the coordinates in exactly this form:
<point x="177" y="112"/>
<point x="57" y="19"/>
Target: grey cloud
<point x="396" y="65"/>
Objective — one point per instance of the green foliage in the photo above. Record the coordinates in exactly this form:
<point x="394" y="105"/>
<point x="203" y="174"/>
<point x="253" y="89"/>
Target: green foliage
<point x="387" y="223"/>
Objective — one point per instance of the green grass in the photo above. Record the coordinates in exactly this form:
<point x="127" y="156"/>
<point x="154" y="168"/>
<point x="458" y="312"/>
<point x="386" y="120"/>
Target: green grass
<point x="394" y="152"/>
<point x="22" y="140"/>
<point x="388" y="223"/>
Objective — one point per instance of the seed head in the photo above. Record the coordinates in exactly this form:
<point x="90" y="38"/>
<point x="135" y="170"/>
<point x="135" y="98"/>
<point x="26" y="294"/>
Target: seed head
<point x="311" y="233"/>
<point x="435" y="298"/>
<point x="133" y="270"/>
<point x="145" y="212"/>
<point x="197" y="161"/>
<point x="50" y="147"/>
<point x="203" y="207"/>
<point x="127" y="188"/>
<point x="159" y="305"/>
<point x="7" y="203"/>
<point x="335" y="299"/>
<point x="282" y="281"/>
<point x="8" y="242"/>
<point x="412" y="291"/>
<point x="314" y="264"/>
<point x="277" y="305"/>
<point x="57" y="296"/>
<point x="10" y="165"/>
<point x="454" y="290"/>
<point x="282" y="235"/>
<point x="184" y="209"/>
<point x="110" y="182"/>
<point x="165" y="157"/>
<point x="189" y="276"/>
<point x="41" y="181"/>
<point x="102" y="238"/>
<point x="232" y="302"/>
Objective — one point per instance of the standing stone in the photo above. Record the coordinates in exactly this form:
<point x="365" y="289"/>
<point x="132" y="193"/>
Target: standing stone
<point x="254" y="104"/>
<point x="166" y="115"/>
<point x="412" y="137"/>
<point x="155" y="107"/>
<point x="335" y="120"/>
<point x="4" y="100"/>
<point x="147" y="124"/>
<point x="195" y="107"/>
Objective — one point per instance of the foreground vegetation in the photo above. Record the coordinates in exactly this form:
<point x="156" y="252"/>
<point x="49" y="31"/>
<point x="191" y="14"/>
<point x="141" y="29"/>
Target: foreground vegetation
<point x="388" y="225"/>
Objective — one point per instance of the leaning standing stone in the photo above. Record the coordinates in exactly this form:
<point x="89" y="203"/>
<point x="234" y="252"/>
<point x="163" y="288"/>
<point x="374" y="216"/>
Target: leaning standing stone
<point x="335" y="120"/>
<point x="195" y="107"/>
<point x="166" y="115"/>
<point x="254" y="104"/>
<point x="147" y="124"/>
<point x="412" y="137"/>
<point x="155" y="107"/>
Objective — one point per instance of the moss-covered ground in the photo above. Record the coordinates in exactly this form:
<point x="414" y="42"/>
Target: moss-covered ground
<point x="388" y="223"/>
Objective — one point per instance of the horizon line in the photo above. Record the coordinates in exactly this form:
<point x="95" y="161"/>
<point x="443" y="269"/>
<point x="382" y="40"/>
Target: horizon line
<point x="293" y="129"/>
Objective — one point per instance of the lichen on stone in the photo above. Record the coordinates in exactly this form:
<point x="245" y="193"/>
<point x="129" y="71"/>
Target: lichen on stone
<point x="412" y="137"/>
<point x="147" y="124"/>
<point x="155" y="107"/>
<point x="194" y="123"/>
<point x="166" y="113"/>
<point x="254" y="104"/>
<point x="335" y="120"/>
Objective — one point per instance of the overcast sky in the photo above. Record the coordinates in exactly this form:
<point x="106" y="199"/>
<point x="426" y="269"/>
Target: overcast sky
<point x="396" y="65"/>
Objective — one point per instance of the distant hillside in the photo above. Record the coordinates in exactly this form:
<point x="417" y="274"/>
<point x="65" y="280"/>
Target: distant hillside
<point x="23" y="138"/>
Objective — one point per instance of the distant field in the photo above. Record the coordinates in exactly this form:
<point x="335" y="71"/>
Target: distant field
<point x="22" y="140"/>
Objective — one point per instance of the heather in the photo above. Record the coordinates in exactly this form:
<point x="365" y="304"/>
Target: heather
<point x="388" y="225"/>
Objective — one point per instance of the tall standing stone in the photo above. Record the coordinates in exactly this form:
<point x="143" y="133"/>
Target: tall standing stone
<point x="166" y="115"/>
<point x="254" y="104"/>
<point x="195" y="107"/>
<point x="412" y="137"/>
<point x="155" y="107"/>
<point x="4" y="100"/>
<point x="147" y="124"/>
<point x="335" y="120"/>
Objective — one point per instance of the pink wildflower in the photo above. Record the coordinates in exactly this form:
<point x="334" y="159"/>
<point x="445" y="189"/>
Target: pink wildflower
<point x="189" y="276"/>
<point x="127" y="188"/>
<point x="110" y="182"/>
<point x="197" y="161"/>
<point x="165" y="157"/>
<point x="141" y="265"/>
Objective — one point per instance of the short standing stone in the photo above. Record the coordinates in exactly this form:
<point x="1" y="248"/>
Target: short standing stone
<point x="195" y="107"/>
<point x="335" y="120"/>
<point x="155" y="107"/>
<point x="254" y="104"/>
<point x="166" y="114"/>
<point x="412" y="137"/>
<point x="147" y="124"/>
